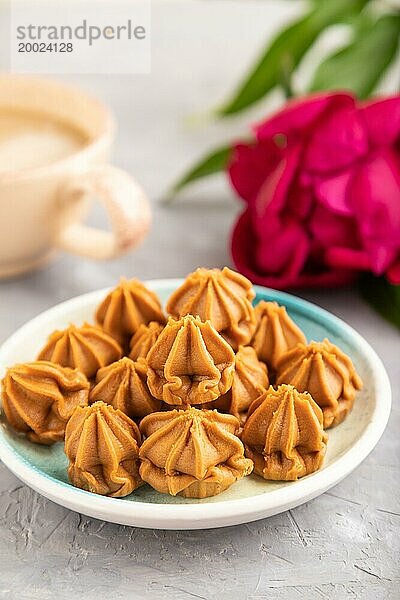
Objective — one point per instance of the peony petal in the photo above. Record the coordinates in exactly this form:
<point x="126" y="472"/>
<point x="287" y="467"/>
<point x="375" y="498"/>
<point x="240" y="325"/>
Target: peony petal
<point x="360" y="259"/>
<point x="348" y="258"/>
<point x="332" y="192"/>
<point x="299" y="201"/>
<point x="324" y="201"/>
<point x="243" y="248"/>
<point x="306" y="179"/>
<point x="299" y="114"/>
<point x="393" y="273"/>
<point x="382" y="120"/>
<point x="286" y="252"/>
<point x="338" y="139"/>
<point x="250" y="166"/>
<point x="381" y="258"/>
<point x="330" y="229"/>
<point x="376" y="200"/>
<point x="271" y="197"/>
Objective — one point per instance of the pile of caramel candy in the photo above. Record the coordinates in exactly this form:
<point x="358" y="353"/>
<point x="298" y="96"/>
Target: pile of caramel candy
<point x="190" y="403"/>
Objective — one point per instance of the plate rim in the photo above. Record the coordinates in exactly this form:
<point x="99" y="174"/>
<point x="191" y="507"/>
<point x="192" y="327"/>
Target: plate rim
<point x="216" y="514"/>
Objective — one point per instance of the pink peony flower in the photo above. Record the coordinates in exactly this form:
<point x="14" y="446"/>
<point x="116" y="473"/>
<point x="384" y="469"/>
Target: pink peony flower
<point x="321" y="184"/>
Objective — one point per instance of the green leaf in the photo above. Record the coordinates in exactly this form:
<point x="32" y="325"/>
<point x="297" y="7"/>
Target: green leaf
<point x="383" y="296"/>
<point x="208" y="165"/>
<point x="286" y="51"/>
<point x="360" y="65"/>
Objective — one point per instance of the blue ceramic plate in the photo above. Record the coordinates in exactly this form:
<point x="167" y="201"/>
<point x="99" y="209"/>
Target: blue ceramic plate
<point x="45" y="468"/>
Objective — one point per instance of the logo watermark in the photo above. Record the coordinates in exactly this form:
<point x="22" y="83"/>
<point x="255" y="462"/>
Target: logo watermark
<point x="88" y="36"/>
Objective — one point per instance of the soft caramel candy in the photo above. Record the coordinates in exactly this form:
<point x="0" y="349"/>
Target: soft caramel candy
<point x="222" y="297"/>
<point x="102" y="445"/>
<point x="126" y="307"/>
<point x="324" y="371"/>
<point x="275" y="333"/>
<point x="193" y="453"/>
<point x="190" y="363"/>
<point x="39" y="398"/>
<point x="123" y="384"/>
<point x="250" y="379"/>
<point x="284" y="435"/>
<point x="144" y="339"/>
<point x="86" y="348"/>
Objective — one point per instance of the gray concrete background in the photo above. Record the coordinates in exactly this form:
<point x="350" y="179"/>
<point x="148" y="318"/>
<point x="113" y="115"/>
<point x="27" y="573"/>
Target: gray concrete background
<point x="344" y="544"/>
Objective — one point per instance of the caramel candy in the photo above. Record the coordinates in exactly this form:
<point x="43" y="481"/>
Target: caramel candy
<point x="275" y="333"/>
<point x="102" y="445"/>
<point x="283" y="434"/>
<point x="123" y="384"/>
<point x="193" y="453"/>
<point x="223" y="297"/>
<point x="86" y="348"/>
<point x="190" y="363"/>
<point x="324" y="371"/>
<point x="39" y="398"/>
<point x="126" y="307"/>
<point x="250" y="379"/>
<point x="144" y="339"/>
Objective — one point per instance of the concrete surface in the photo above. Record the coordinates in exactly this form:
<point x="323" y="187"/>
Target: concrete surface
<point x="345" y="544"/>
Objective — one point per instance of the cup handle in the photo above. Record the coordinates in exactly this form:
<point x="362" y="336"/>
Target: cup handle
<point x="127" y="207"/>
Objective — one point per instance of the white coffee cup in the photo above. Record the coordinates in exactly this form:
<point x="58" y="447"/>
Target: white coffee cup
<point x="42" y="207"/>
